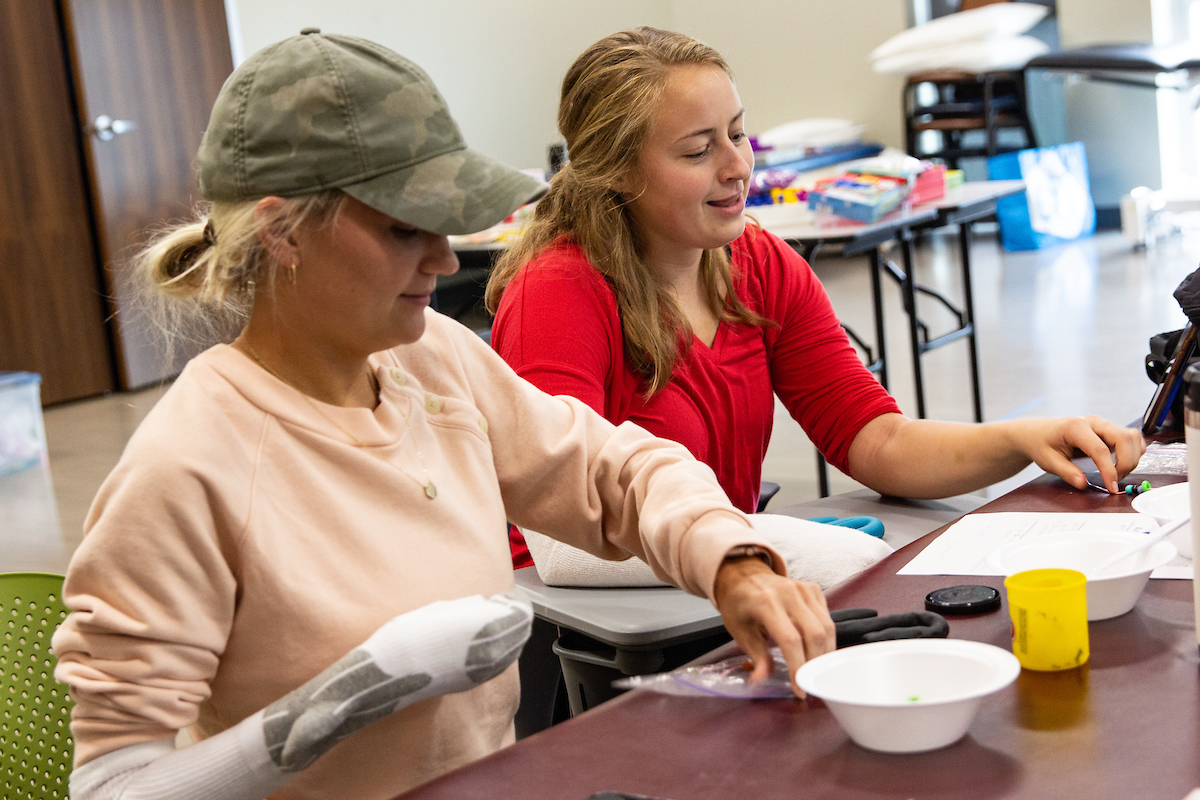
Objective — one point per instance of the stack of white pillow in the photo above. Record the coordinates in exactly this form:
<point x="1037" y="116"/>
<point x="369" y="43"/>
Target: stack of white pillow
<point x="980" y="40"/>
<point x="813" y="551"/>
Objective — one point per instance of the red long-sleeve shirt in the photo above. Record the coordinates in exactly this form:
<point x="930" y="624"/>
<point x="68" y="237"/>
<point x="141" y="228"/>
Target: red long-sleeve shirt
<point x="559" y="328"/>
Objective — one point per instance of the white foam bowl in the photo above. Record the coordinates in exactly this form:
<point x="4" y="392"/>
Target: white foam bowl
<point x="908" y="695"/>
<point x="1111" y="596"/>
<point x="1165" y="504"/>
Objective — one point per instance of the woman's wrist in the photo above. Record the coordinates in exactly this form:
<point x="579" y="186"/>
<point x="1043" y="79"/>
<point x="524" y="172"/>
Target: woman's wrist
<point x="740" y="563"/>
<point x="750" y="551"/>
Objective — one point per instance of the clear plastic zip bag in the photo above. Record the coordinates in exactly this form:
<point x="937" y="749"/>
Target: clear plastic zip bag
<point x="729" y="677"/>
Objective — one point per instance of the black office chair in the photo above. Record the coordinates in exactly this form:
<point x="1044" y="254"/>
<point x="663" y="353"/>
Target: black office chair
<point x="766" y="491"/>
<point x="965" y="102"/>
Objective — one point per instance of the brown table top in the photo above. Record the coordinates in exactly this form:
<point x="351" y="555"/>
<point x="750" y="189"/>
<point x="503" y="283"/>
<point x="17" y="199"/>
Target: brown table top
<point x="1126" y="725"/>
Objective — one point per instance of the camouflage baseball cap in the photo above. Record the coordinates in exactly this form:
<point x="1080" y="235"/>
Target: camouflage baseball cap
<point x="323" y="111"/>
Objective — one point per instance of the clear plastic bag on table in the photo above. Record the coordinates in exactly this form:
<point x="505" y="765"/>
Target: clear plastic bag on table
<point x="729" y="677"/>
<point x="1164" y="459"/>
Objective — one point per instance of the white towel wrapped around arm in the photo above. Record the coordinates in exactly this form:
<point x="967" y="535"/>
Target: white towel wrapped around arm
<point x="823" y="554"/>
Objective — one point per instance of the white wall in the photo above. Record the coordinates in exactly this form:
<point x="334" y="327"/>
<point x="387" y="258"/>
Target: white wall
<point x="1118" y="125"/>
<point x="805" y="58"/>
<point x="1084" y="22"/>
<point x="499" y="65"/>
<point x="1175" y="21"/>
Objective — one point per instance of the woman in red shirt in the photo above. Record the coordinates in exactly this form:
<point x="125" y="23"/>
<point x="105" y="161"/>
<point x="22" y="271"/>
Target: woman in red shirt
<point x="640" y="289"/>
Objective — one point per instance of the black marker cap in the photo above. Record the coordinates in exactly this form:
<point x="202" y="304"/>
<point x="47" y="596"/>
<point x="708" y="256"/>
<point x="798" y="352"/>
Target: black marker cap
<point x="968" y="599"/>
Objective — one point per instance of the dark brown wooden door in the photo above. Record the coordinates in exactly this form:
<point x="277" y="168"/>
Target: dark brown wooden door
<point x="51" y="301"/>
<point x="153" y="68"/>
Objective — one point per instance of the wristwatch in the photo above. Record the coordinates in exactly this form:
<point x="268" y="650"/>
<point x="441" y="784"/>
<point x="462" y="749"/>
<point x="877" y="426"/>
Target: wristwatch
<point x="750" y="551"/>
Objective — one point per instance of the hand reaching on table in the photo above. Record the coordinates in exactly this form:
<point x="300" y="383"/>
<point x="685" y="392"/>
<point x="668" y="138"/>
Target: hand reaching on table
<point x="759" y="607"/>
<point x="1052" y="443"/>
<point x="927" y="458"/>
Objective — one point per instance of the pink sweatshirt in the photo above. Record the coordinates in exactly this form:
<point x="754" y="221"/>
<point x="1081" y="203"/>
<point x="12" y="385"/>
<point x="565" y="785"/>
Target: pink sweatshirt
<point x="245" y="541"/>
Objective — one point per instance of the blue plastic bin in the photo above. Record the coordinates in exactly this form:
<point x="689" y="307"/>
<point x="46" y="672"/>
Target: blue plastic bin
<point x="22" y="432"/>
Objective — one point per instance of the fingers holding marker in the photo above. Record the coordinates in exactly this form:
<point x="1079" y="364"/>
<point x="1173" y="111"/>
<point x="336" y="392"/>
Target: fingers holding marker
<point x="1088" y="436"/>
<point x="1053" y="443"/>
<point x="1127" y="444"/>
<point x="1115" y="450"/>
<point x="1054" y="462"/>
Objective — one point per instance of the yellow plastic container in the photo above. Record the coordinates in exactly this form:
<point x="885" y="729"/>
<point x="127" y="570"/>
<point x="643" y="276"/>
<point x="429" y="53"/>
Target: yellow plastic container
<point x="1048" y="608"/>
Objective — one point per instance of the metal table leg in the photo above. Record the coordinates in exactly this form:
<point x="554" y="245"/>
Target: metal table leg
<point x="822" y="475"/>
<point x="964" y="245"/>
<point x="877" y="302"/>
<point x="875" y="363"/>
<point x="908" y="286"/>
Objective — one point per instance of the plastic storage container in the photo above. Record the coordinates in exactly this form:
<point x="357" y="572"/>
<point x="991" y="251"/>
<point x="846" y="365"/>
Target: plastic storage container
<point x="22" y="434"/>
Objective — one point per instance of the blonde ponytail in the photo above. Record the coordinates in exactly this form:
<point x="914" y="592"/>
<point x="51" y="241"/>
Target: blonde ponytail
<point x="196" y="281"/>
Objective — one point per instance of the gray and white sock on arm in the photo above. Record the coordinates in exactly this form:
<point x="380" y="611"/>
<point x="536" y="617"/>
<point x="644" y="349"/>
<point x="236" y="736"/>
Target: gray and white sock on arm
<point x="442" y="648"/>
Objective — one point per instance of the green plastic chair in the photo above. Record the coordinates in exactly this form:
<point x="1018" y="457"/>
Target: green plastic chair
<point x="35" y="740"/>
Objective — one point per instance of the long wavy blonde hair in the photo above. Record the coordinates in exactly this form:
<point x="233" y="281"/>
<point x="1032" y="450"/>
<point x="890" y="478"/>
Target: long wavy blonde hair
<point x="609" y="99"/>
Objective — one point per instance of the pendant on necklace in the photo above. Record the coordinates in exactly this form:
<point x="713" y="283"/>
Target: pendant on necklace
<point x="430" y="490"/>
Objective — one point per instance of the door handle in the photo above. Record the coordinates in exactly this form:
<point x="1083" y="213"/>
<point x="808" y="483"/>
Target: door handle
<point x="105" y="127"/>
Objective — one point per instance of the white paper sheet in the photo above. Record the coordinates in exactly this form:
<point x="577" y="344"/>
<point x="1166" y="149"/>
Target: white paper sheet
<point x="964" y="547"/>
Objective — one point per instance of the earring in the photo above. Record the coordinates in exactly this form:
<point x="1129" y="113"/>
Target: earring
<point x="292" y="273"/>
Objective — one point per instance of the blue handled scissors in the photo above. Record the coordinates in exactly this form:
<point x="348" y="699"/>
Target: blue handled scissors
<point x="871" y="526"/>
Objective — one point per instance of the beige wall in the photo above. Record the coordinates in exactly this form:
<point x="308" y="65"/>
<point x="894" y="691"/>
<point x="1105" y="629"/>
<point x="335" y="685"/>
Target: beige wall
<point x="499" y="65"/>
<point x="1118" y="125"/>
<point x="805" y="58"/>
<point x="1084" y="22"/>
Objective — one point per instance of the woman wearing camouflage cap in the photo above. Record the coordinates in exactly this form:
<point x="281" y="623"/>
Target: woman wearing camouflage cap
<point x="301" y="556"/>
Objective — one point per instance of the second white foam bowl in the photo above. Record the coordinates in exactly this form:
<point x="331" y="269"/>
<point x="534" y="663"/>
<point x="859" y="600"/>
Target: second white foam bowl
<point x="1165" y="504"/>
<point x="1111" y="596"/>
<point x="908" y="695"/>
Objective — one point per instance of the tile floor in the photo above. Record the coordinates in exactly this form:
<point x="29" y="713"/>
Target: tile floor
<point x="1061" y="331"/>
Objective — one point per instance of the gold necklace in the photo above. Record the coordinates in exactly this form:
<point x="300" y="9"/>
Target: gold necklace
<point x="427" y="485"/>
